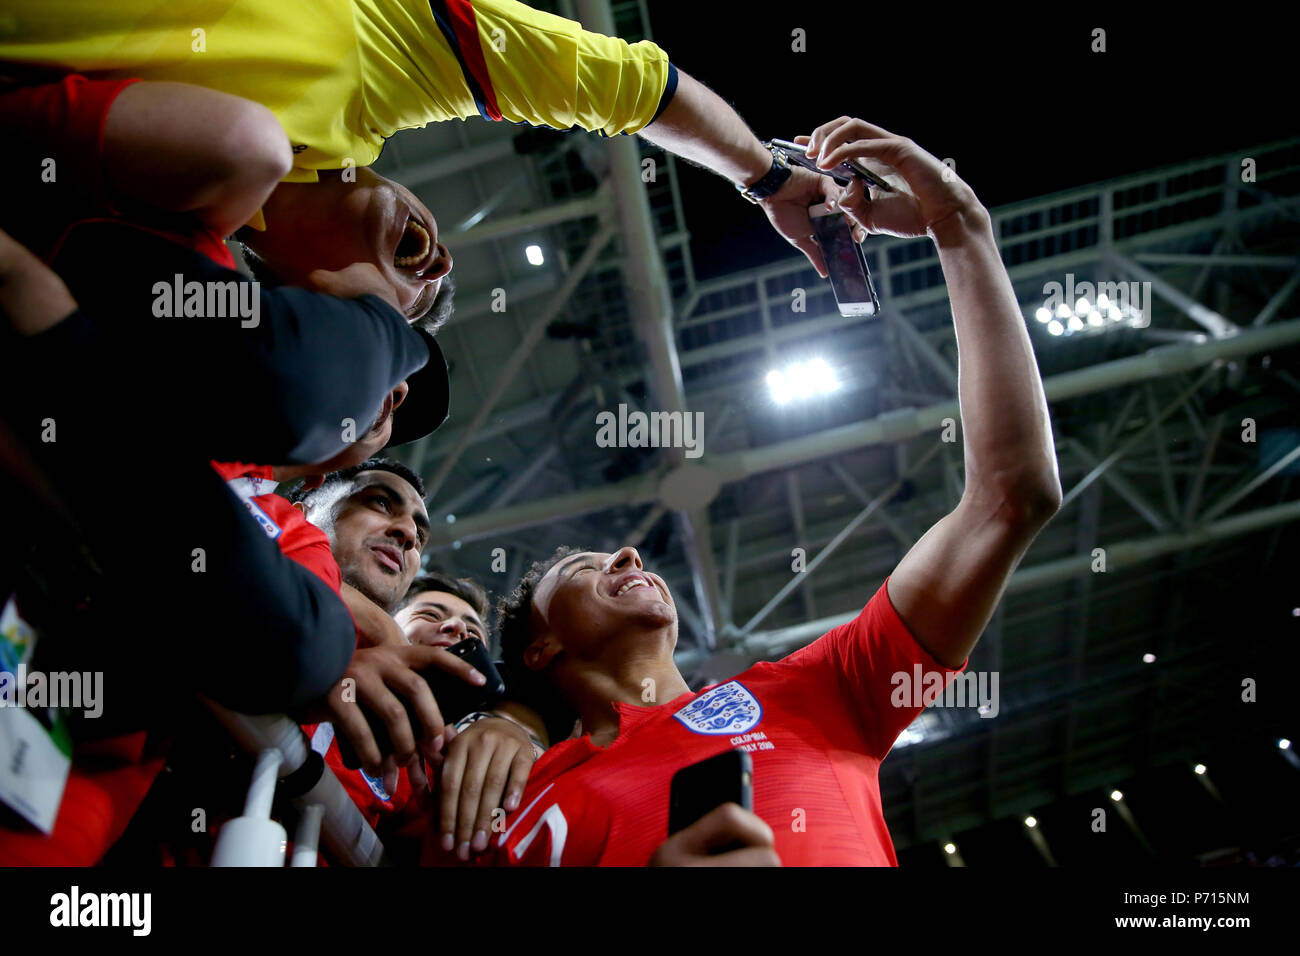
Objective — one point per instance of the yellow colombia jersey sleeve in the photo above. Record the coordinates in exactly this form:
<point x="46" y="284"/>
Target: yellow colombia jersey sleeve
<point x="342" y="75"/>
<point x="428" y="60"/>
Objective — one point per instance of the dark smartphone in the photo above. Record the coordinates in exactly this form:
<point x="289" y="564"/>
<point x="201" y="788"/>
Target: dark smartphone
<point x="455" y="697"/>
<point x="849" y="169"/>
<point x="855" y="294"/>
<point x="698" y="789"/>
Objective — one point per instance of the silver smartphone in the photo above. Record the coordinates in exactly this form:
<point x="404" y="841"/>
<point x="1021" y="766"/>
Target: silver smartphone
<point x="850" y="279"/>
<point x="798" y="155"/>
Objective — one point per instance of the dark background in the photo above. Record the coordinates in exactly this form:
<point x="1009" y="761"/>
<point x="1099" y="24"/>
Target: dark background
<point x="1015" y="97"/>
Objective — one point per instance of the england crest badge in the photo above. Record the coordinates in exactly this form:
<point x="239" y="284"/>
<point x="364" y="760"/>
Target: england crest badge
<point x="727" y="709"/>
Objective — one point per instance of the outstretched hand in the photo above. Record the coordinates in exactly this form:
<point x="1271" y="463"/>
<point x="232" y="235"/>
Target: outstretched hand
<point x="787" y="210"/>
<point x="933" y="194"/>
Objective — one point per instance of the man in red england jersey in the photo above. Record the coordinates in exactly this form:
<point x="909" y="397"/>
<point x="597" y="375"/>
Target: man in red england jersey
<point x="598" y="630"/>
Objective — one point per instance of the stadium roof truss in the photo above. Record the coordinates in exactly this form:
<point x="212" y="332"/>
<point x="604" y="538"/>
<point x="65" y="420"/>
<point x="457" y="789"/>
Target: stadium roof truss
<point x="1147" y="416"/>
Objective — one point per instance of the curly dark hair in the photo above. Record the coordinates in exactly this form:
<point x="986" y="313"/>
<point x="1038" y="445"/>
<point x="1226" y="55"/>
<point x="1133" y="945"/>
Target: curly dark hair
<point x="514" y="633"/>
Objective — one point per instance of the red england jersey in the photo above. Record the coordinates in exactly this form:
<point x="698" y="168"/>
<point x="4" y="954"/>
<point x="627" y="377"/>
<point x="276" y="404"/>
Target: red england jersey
<point x="296" y="537"/>
<point x="817" y="725"/>
<point x="302" y="541"/>
<point x="57" y="130"/>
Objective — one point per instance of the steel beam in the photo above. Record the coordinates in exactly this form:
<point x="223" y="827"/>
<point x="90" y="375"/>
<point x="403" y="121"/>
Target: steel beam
<point x="800" y="536"/>
<point x="1194" y="259"/>
<point x="651" y="308"/>
<point x="582" y="208"/>
<point x="469" y="157"/>
<point x="1277" y="301"/>
<point x="1215" y="324"/>
<point x="1121" y="554"/>
<point x="506" y="376"/>
<point x="1122" y="486"/>
<point x="839" y="539"/>
<point x="523" y="478"/>
<point x="890" y="427"/>
<point x="1101" y="468"/>
<point x="1233" y="497"/>
<point x="924" y="350"/>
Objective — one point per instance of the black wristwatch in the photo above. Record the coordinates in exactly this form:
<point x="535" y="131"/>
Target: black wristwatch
<point x="772" y="180"/>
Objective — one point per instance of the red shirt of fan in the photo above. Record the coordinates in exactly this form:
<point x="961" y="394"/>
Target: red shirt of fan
<point x="296" y="537"/>
<point x="305" y="543"/>
<point x="817" y="725"/>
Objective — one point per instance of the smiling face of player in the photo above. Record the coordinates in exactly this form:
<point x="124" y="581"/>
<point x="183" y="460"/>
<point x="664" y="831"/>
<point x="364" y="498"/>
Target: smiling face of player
<point x="439" y="619"/>
<point x="333" y="223"/>
<point x="603" y="607"/>
<point x="377" y="531"/>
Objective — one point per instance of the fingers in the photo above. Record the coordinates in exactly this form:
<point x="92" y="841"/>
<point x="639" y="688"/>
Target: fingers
<point x="753" y="856"/>
<point x="808" y="246"/>
<point x="520" y="767"/>
<point x="383" y="703"/>
<point x="856" y="204"/>
<point x="419" y="779"/>
<point x="494" y="785"/>
<point x="349" y="721"/>
<point x="422" y="656"/>
<point x="723" y="826"/>
<point x="453" y="769"/>
<point x="818" y="138"/>
<point x="471" y="789"/>
<point x="838" y="131"/>
<point x="894" y="152"/>
<point x="415" y="689"/>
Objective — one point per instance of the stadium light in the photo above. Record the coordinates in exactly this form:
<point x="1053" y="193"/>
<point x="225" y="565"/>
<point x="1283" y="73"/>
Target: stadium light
<point x="1031" y="822"/>
<point x="1148" y="658"/>
<point x="1088" y="317"/>
<point x="534" y="254"/>
<point x="950" y="848"/>
<point x="1116" y="796"/>
<point x="802" y="380"/>
<point x="1284" y="744"/>
<point x="1199" y="768"/>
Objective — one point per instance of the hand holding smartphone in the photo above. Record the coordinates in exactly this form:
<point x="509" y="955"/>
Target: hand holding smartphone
<point x="855" y="294"/>
<point x="711" y="820"/>
<point x="455" y="698"/>
<point x="725" y="778"/>
<point x="845" y="171"/>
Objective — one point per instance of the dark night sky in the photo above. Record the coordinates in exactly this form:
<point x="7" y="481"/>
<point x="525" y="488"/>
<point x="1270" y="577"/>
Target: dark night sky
<point x="1022" y="105"/>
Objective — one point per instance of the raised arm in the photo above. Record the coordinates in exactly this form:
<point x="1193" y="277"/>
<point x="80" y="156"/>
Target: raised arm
<point x="186" y="149"/>
<point x="148" y="147"/>
<point x="946" y="587"/>
<point x="546" y="70"/>
<point x="701" y="127"/>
